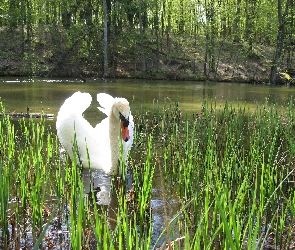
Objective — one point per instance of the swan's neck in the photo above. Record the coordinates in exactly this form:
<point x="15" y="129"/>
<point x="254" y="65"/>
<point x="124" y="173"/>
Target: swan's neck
<point x="114" y="133"/>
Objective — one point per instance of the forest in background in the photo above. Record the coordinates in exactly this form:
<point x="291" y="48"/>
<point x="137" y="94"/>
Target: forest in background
<point x="220" y="40"/>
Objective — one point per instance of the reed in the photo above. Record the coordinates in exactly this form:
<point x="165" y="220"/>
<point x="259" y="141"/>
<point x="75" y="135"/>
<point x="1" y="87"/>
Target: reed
<point x="238" y="166"/>
<point x="231" y="170"/>
<point x="6" y="155"/>
<point x="4" y="194"/>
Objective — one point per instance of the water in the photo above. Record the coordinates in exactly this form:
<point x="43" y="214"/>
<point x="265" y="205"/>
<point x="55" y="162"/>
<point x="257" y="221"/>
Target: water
<point x="49" y="94"/>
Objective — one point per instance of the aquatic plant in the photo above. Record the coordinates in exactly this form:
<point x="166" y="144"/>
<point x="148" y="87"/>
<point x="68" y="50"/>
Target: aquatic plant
<point x="228" y="169"/>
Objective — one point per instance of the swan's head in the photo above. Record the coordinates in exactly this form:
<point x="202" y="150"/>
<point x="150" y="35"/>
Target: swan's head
<point x="121" y="106"/>
<point x="121" y="111"/>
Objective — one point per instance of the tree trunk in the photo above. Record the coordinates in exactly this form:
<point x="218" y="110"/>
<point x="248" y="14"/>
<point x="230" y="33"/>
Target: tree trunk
<point x="236" y="25"/>
<point x="280" y="40"/>
<point x="251" y="12"/>
<point x="211" y="34"/>
<point x="12" y="13"/>
<point x="65" y="16"/>
<point x="29" y="36"/>
<point x="143" y="61"/>
<point x="156" y="24"/>
<point x="23" y="18"/>
<point x="181" y="22"/>
<point x="105" y="39"/>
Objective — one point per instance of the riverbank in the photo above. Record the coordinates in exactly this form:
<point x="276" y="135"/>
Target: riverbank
<point x="50" y="54"/>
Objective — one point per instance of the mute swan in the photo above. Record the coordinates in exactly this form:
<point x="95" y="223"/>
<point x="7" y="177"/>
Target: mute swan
<point x="102" y="141"/>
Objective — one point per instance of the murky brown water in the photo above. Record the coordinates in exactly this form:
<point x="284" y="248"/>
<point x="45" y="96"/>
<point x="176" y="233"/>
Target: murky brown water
<point x="49" y="94"/>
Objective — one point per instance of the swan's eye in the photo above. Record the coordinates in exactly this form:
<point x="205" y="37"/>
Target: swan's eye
<point x="124" y="120"/>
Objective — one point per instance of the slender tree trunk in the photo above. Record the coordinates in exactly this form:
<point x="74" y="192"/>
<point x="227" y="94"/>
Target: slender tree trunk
<point x="211" y="33"/>
<point x="143" y="61"/>
<point x="162" y="20"/>
<point x="105" y="39"/>
<point x="236" y="25"/>
<point x="65" y="16"/>
<point x="29" y="36"/>
<point x="168" y="28"/>
<point x="157" y="33"/>
<point x="280" y="40"/>
<point x="13" y="5"/>
<point x="249" y="29"/>
<point x="181" y="21"/>
<point x="23" y="19"/>
<point x="289" y="39"/>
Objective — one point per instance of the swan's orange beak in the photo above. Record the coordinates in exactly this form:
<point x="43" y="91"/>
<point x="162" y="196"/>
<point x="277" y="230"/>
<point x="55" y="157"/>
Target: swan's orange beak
<point x="124" y="125"/>
<point x="125" y="132"/>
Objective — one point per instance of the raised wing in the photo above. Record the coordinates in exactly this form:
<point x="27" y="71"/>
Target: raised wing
<point x="105" y="101"/>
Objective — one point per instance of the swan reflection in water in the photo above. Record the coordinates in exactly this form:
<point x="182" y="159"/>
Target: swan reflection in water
<point x="101" y="185"/>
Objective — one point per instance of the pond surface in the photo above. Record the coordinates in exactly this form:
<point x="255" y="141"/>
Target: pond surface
<point x="49" y="94"/>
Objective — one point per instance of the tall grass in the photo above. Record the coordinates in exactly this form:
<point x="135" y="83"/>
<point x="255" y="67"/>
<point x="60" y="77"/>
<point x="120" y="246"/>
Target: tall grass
<point x="230" y="169"/>
<point x="6" y="154"/>
<point x="233" y="164"/>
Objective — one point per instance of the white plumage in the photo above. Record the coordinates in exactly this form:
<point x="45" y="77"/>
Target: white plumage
<point x="102" y="141"/>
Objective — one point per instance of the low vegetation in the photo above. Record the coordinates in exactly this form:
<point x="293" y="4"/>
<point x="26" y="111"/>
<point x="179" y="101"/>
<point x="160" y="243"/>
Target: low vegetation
<point x="230" y="171"/>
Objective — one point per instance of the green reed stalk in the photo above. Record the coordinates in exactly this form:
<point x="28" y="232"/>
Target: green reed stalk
<point x="76" y="200"/>
<point x="4" y="197"/>
<point x="101" y="228"/>
<point x="239" y="162"/>
<point x="143" y="180"/>
<point x="7" y="153"/>
<point x="231" y="171"/>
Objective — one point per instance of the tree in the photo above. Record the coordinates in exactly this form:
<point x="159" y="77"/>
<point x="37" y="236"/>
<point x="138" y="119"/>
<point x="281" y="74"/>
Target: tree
<point x="143" y="61"/>
<point x="236" y="25"/>
<point x="251" y="14"/>
<point x="280" y="39"/>
<point x="211" y="35"/>
<point x="105" y="39"/>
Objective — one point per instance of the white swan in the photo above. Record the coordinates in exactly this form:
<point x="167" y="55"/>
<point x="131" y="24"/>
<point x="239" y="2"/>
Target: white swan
<point x="102" y="143"/>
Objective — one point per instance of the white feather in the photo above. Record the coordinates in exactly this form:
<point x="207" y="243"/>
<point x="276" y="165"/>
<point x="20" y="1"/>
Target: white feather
<point x="96" y="141"/>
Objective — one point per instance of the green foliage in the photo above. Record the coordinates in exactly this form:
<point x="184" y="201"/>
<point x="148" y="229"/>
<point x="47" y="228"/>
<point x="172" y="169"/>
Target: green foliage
<point x="230" y="177"/>
<point x="230" y="172"/>
<point x="81" y="22"/>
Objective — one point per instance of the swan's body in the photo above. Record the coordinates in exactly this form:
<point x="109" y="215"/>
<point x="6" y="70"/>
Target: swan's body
<point x="102" y="142"/>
